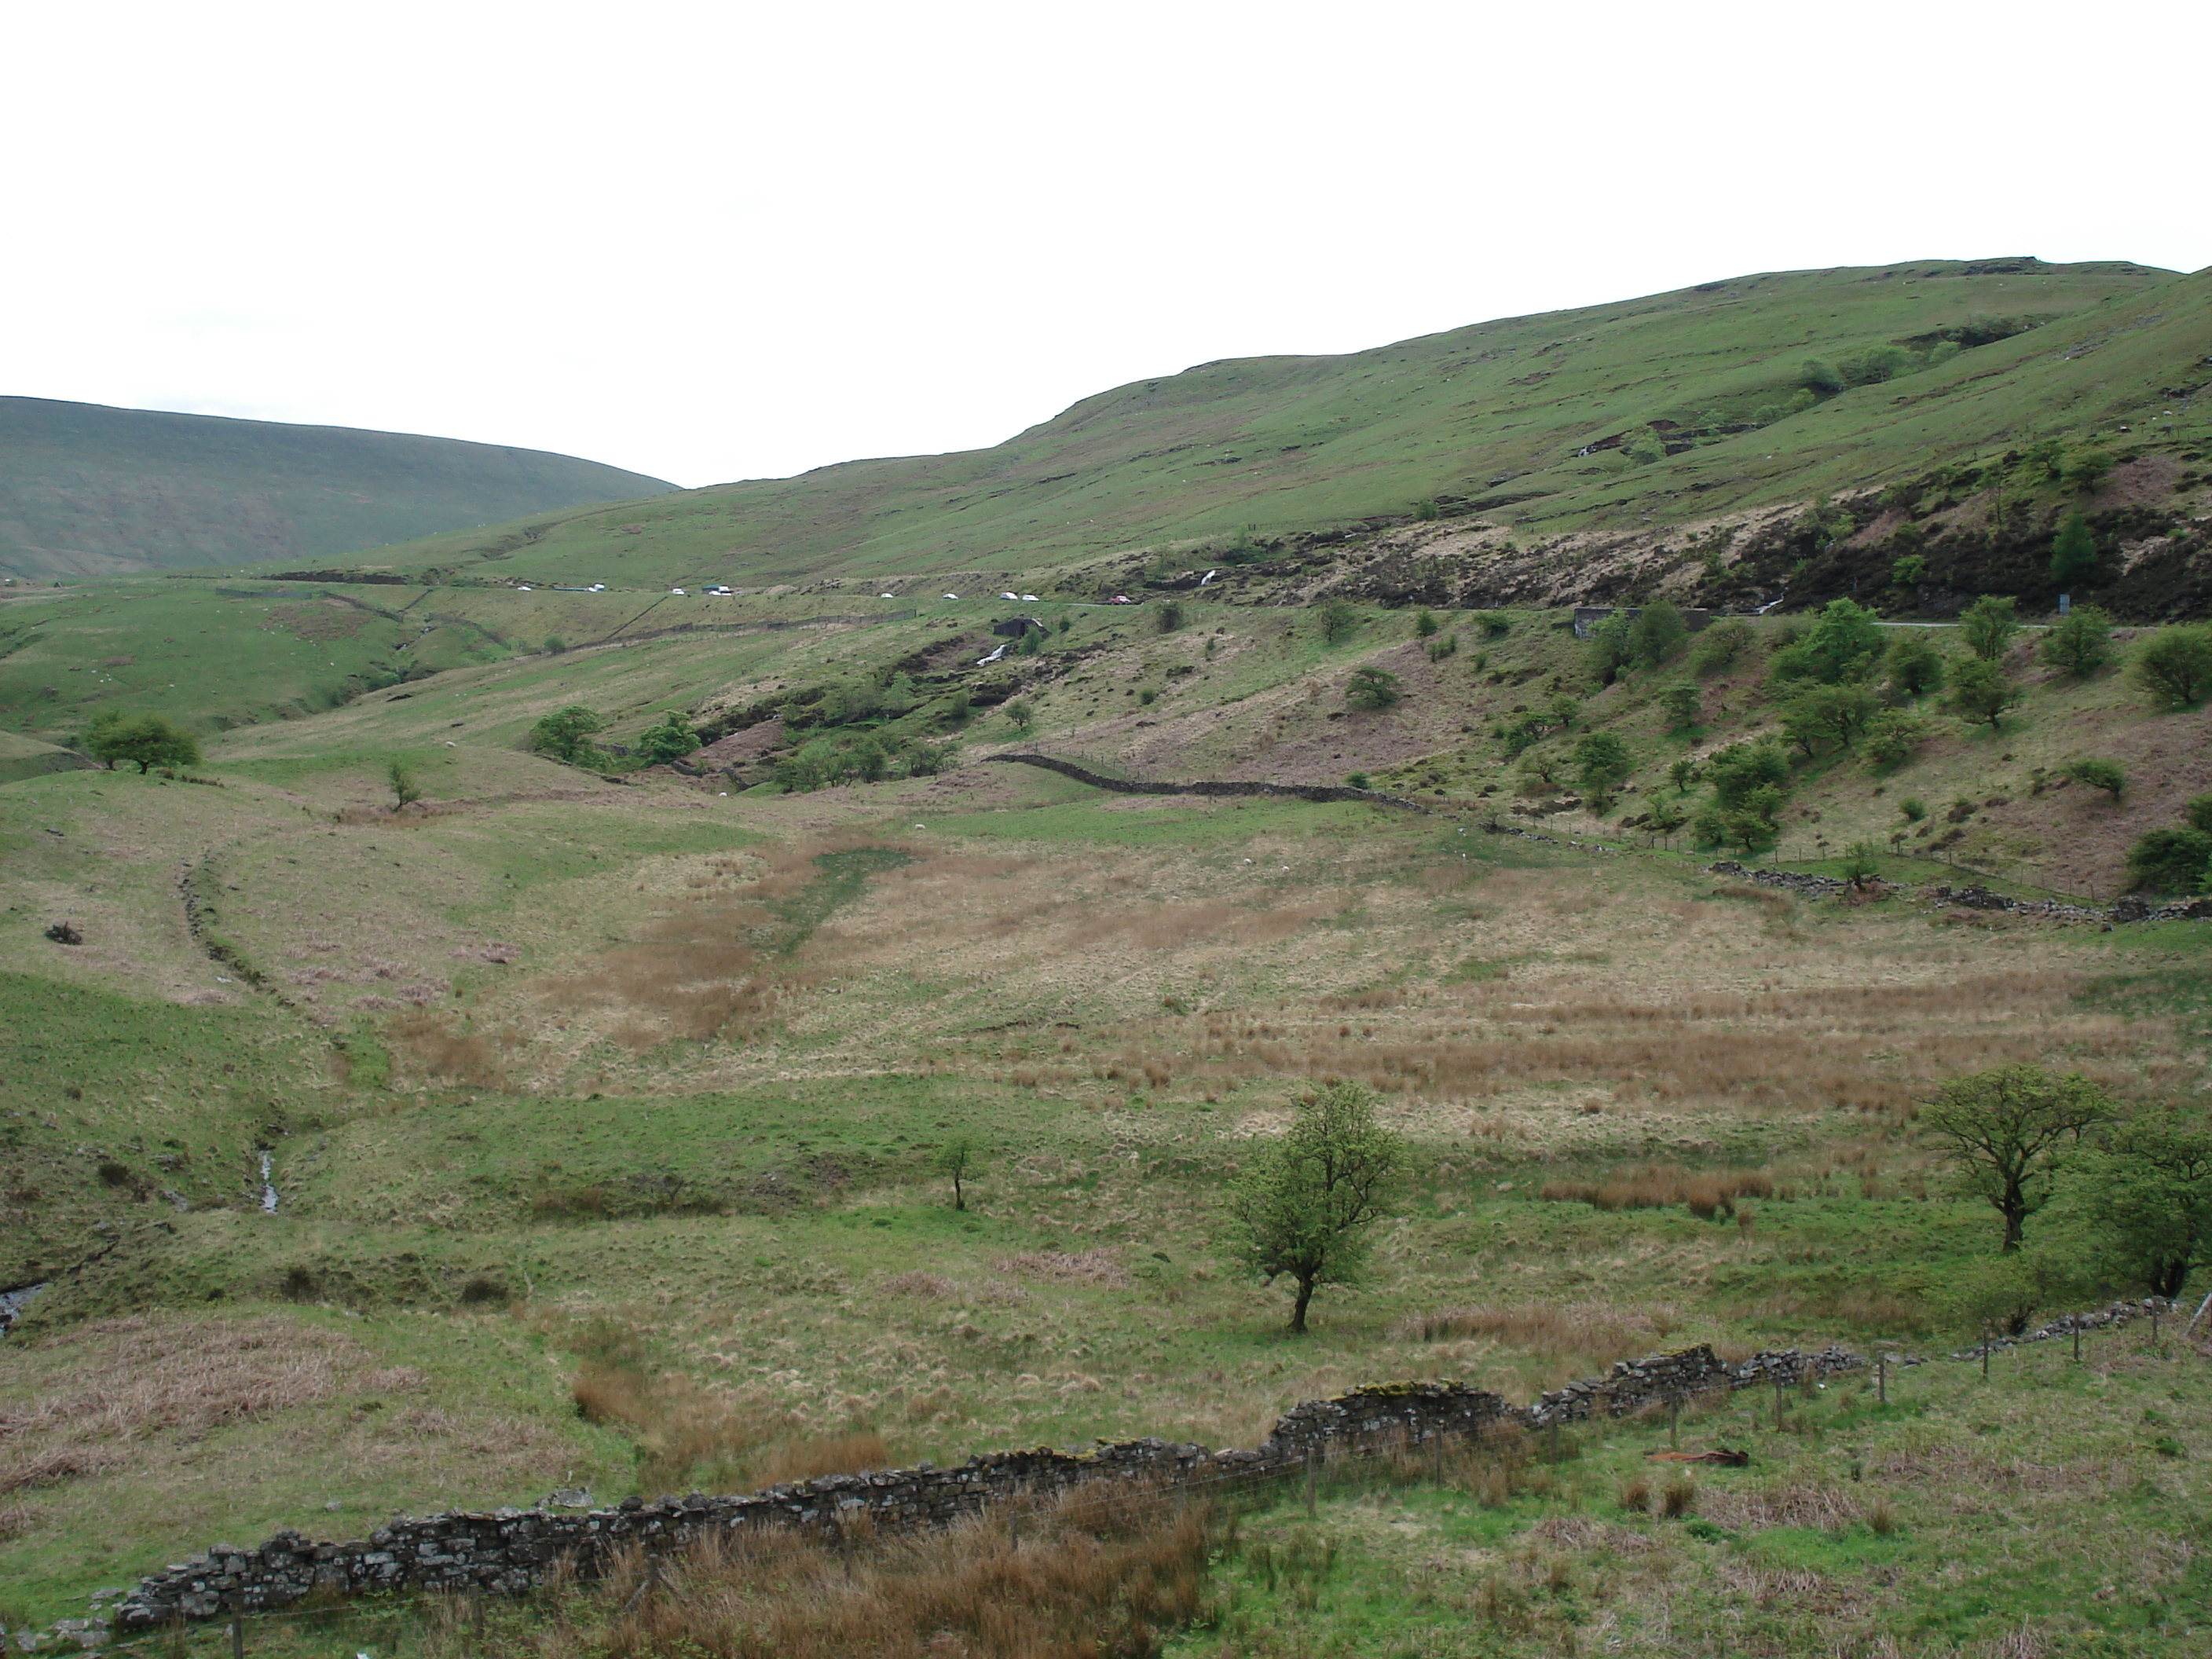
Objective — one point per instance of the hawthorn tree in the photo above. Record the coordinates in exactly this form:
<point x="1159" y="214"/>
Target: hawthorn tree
<point x="148" y="742"/>
<point x="2080" y="642"/>
<point x="1304" y="1206"/>
<point x="566" y="733"/>
<point x="2001" y="1131"/>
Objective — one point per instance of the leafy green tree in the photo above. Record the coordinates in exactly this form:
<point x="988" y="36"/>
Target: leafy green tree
<point x="1657" y="634"/>
<point x="2073" y="549"/>
<point x="146" y="742"/>
<point x="2199" y="813"/>
<point x="1339" y="620"/>
<point x="1643" y="446"/>
<point x="1829" y="713"/>
<point x="1915" y="665"/>
<point x="669" y="740"/>
<point x="1843" y="644"/>
<point x="1891" y="736"/>
<point x="2001" y="1131"/>
<point x="2146" y="1191"/>
<point x="1720" y="646"/>
<point x="2174" y="666"/>
<point x="1742" y="767"/>
<point x="405" y="790"/>
<point x="1987" y="626"/>
<point x="1304" y="1207"/>
<point x="1495" y="624"/>
<point x="2170" y="861"/>
<point x="870" y="761"/>
<point x="958" y="1159"/>
<point x="1372" y="688"/>
<point x="2085" y="469"/>
<point x="1167" y="617"/>
<point x="1565" y="710"/>
<point x="1682" y="773"/>
<point x="1684" y="705"/>
<point x="2080" y="642"/>
<point x="1908" y="569"/>
<point x="554" y="645"/>
<point x="1820" y="378"/>
<point x="1601" y="762"/>
<point x="1981" y="692"/>
<point x="2100" y="774"/>
<point x="1022" y="714"/>
<point x="1425" y="624"/>
<point x="566" y="733"/>
<point x="1609" y="650"/>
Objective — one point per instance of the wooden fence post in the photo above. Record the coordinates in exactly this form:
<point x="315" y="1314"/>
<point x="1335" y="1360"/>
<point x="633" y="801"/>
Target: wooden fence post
<point x="1313" y="1460"/>
<point x="237" y="1636"/>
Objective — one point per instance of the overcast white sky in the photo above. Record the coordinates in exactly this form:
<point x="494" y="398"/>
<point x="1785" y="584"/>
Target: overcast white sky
<point x="720" y="242"/>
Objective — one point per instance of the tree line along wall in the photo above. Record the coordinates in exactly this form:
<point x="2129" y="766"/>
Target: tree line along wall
<point x="514" y="1551"/>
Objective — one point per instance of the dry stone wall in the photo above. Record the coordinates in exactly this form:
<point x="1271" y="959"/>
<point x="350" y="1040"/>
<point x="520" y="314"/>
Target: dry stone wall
<point x="514" y="1551"/>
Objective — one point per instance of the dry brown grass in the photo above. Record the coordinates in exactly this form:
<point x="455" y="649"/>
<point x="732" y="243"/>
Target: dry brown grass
<point x="1661" y="1186"/>
<point x="15" y="1519"/>
<point x="1828" y="1508"/>
<point x="810" y="1459"/>
<point x="1083" y="1267"/>
<point x="133" y="1379"/>
<point x="1084" y="1582"/>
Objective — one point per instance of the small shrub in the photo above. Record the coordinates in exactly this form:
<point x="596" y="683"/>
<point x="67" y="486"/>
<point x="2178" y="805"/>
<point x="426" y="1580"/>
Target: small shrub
<point x="1339" y="620"/>
<point x="1882" y="1518"/>
<point x="1685" y="705"/>
<point x="1913" y="808"/>
<point x="1357" y="780"/>
<point x="1426" y="625"/>
<point x="1678" y="1498"/>
<point x="1168" y="617"/>
<point x="2170" y="861"/>
<point x="1720" y="646"/>
<point x="2080" y="642"/>
<point x="1371" y="687"/>
<point x="1635" y="1495"/>
<point x="2100" y="774"/>
<point x="1495" y="624"/>
<point x="2174" y="666"/>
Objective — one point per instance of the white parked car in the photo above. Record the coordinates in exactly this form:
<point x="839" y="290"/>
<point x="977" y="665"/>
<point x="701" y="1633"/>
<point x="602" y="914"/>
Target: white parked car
<point x="952" y="596"/>
<point x="525" y="588"/>
<point x="1029" y="598"/>
<point x="1010" y="596"/>
<point x="675" y="592"/>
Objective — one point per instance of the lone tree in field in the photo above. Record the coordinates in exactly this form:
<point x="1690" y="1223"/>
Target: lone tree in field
<point x="1987" y="626"/>
<point x="2002" y="1132"/>
<point x="148" y="741"/>
<point x="1304" y="1206"/>
<point x="406" y="792"/>
<point x="1981" y="692"/>
<point x="2080" y="642"/>
<point x="959" y="1159"/>
<point x="1601" y="761"/>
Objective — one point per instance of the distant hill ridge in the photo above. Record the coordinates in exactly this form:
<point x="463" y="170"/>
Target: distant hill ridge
<point x="90" y="491"/>
<point x="1737" y="394"/>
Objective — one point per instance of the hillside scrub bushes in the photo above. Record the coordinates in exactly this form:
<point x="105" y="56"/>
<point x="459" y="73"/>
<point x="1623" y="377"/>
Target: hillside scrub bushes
<point x="2143" y="1191"/>
<point x="2170" y="861"/>
<point x="1748" y="781"/>
<point x="1988" y="625"/>
<point x="1843" y="645"/>
<point x="1893" y="737"/>
<point x="1684" y="705"/>
<point x="566" y="733"/>
<point x="1981" y="692"/>
<point x="2174" y="666"/>
<point x="1829" y="713"/>
<point x="1601" y="764"/>
<point x="2104" y="774"/>
<point x="1657" y="634"/>
<point x="1373" y="688"/>
<point x="2079" y="642"/>
<point x="1915" y="666"/>
<point x="671" y="739"/>
<point x="1720" y="646"/>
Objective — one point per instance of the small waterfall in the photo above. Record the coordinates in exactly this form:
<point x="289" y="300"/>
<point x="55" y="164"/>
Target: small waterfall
<point x="11" y="1304"/>
<point x="268" y="1189"/>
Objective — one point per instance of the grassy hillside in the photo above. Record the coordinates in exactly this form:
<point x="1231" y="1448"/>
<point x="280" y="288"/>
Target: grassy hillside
<point x="1488" y="419"/>
<point x="87" y="490"/>
<point x="604" y="1105"/>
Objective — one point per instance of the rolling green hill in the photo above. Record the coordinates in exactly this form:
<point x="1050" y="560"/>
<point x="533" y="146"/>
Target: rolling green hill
<point x="1491" y="419"/>
<point x="86" y="491"/>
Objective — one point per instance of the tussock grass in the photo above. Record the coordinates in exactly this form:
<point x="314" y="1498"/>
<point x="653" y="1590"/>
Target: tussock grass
<point x="1597" y="1332"/>
<point x="1083" y="1579"/>
<point x="1660" y="1186"/>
